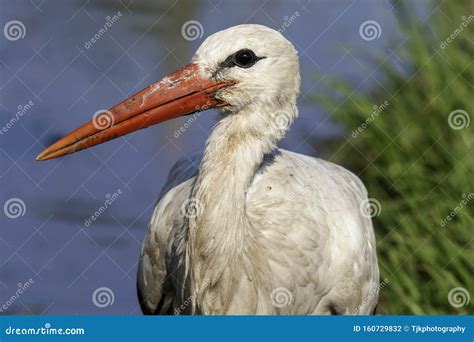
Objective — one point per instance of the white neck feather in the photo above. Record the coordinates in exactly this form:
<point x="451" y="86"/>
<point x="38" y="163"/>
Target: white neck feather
<point x="221" y="235"/>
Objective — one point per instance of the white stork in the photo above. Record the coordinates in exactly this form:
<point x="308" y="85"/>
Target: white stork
<point x="255" y="229"/>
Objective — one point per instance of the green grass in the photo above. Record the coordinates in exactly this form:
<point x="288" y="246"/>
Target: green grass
<point x="415" y="164"/>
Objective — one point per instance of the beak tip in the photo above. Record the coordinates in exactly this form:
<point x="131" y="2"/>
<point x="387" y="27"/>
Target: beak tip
<point x="40" y="156"/>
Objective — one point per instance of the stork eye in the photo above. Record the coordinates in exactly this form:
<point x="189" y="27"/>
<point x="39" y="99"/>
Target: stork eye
<point x="244" y="58"/>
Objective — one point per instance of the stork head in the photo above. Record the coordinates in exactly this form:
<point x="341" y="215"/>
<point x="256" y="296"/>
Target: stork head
<point x="245" y="68"/>
<point x="262" y="63"/>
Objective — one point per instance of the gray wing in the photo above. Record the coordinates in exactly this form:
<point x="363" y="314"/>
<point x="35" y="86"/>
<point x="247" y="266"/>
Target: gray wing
<point x="322" y="245"/>
<point x="162" y="247"/>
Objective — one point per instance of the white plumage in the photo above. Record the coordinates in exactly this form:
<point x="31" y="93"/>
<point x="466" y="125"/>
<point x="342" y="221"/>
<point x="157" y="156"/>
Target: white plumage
<point x="249" y="228"/>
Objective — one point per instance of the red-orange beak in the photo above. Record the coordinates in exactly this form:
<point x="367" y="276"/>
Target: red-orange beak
<point x="181" y="93"/>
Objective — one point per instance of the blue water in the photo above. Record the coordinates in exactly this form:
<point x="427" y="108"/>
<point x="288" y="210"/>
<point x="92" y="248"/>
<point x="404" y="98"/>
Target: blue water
<point x="67" y="83"/>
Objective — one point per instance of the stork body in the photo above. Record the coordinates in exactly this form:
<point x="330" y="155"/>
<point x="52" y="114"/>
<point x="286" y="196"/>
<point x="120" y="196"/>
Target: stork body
<point x="299" y="245"/>
<point x="249" y="228"/>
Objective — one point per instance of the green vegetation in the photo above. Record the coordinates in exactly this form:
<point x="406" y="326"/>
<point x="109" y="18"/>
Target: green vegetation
<point x="415" y="164"/>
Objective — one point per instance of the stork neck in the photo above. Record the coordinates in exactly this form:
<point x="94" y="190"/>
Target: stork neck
<point x="219" y="235"/>
<point x="234" y="151"/>
<point x="230" y="159"/>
